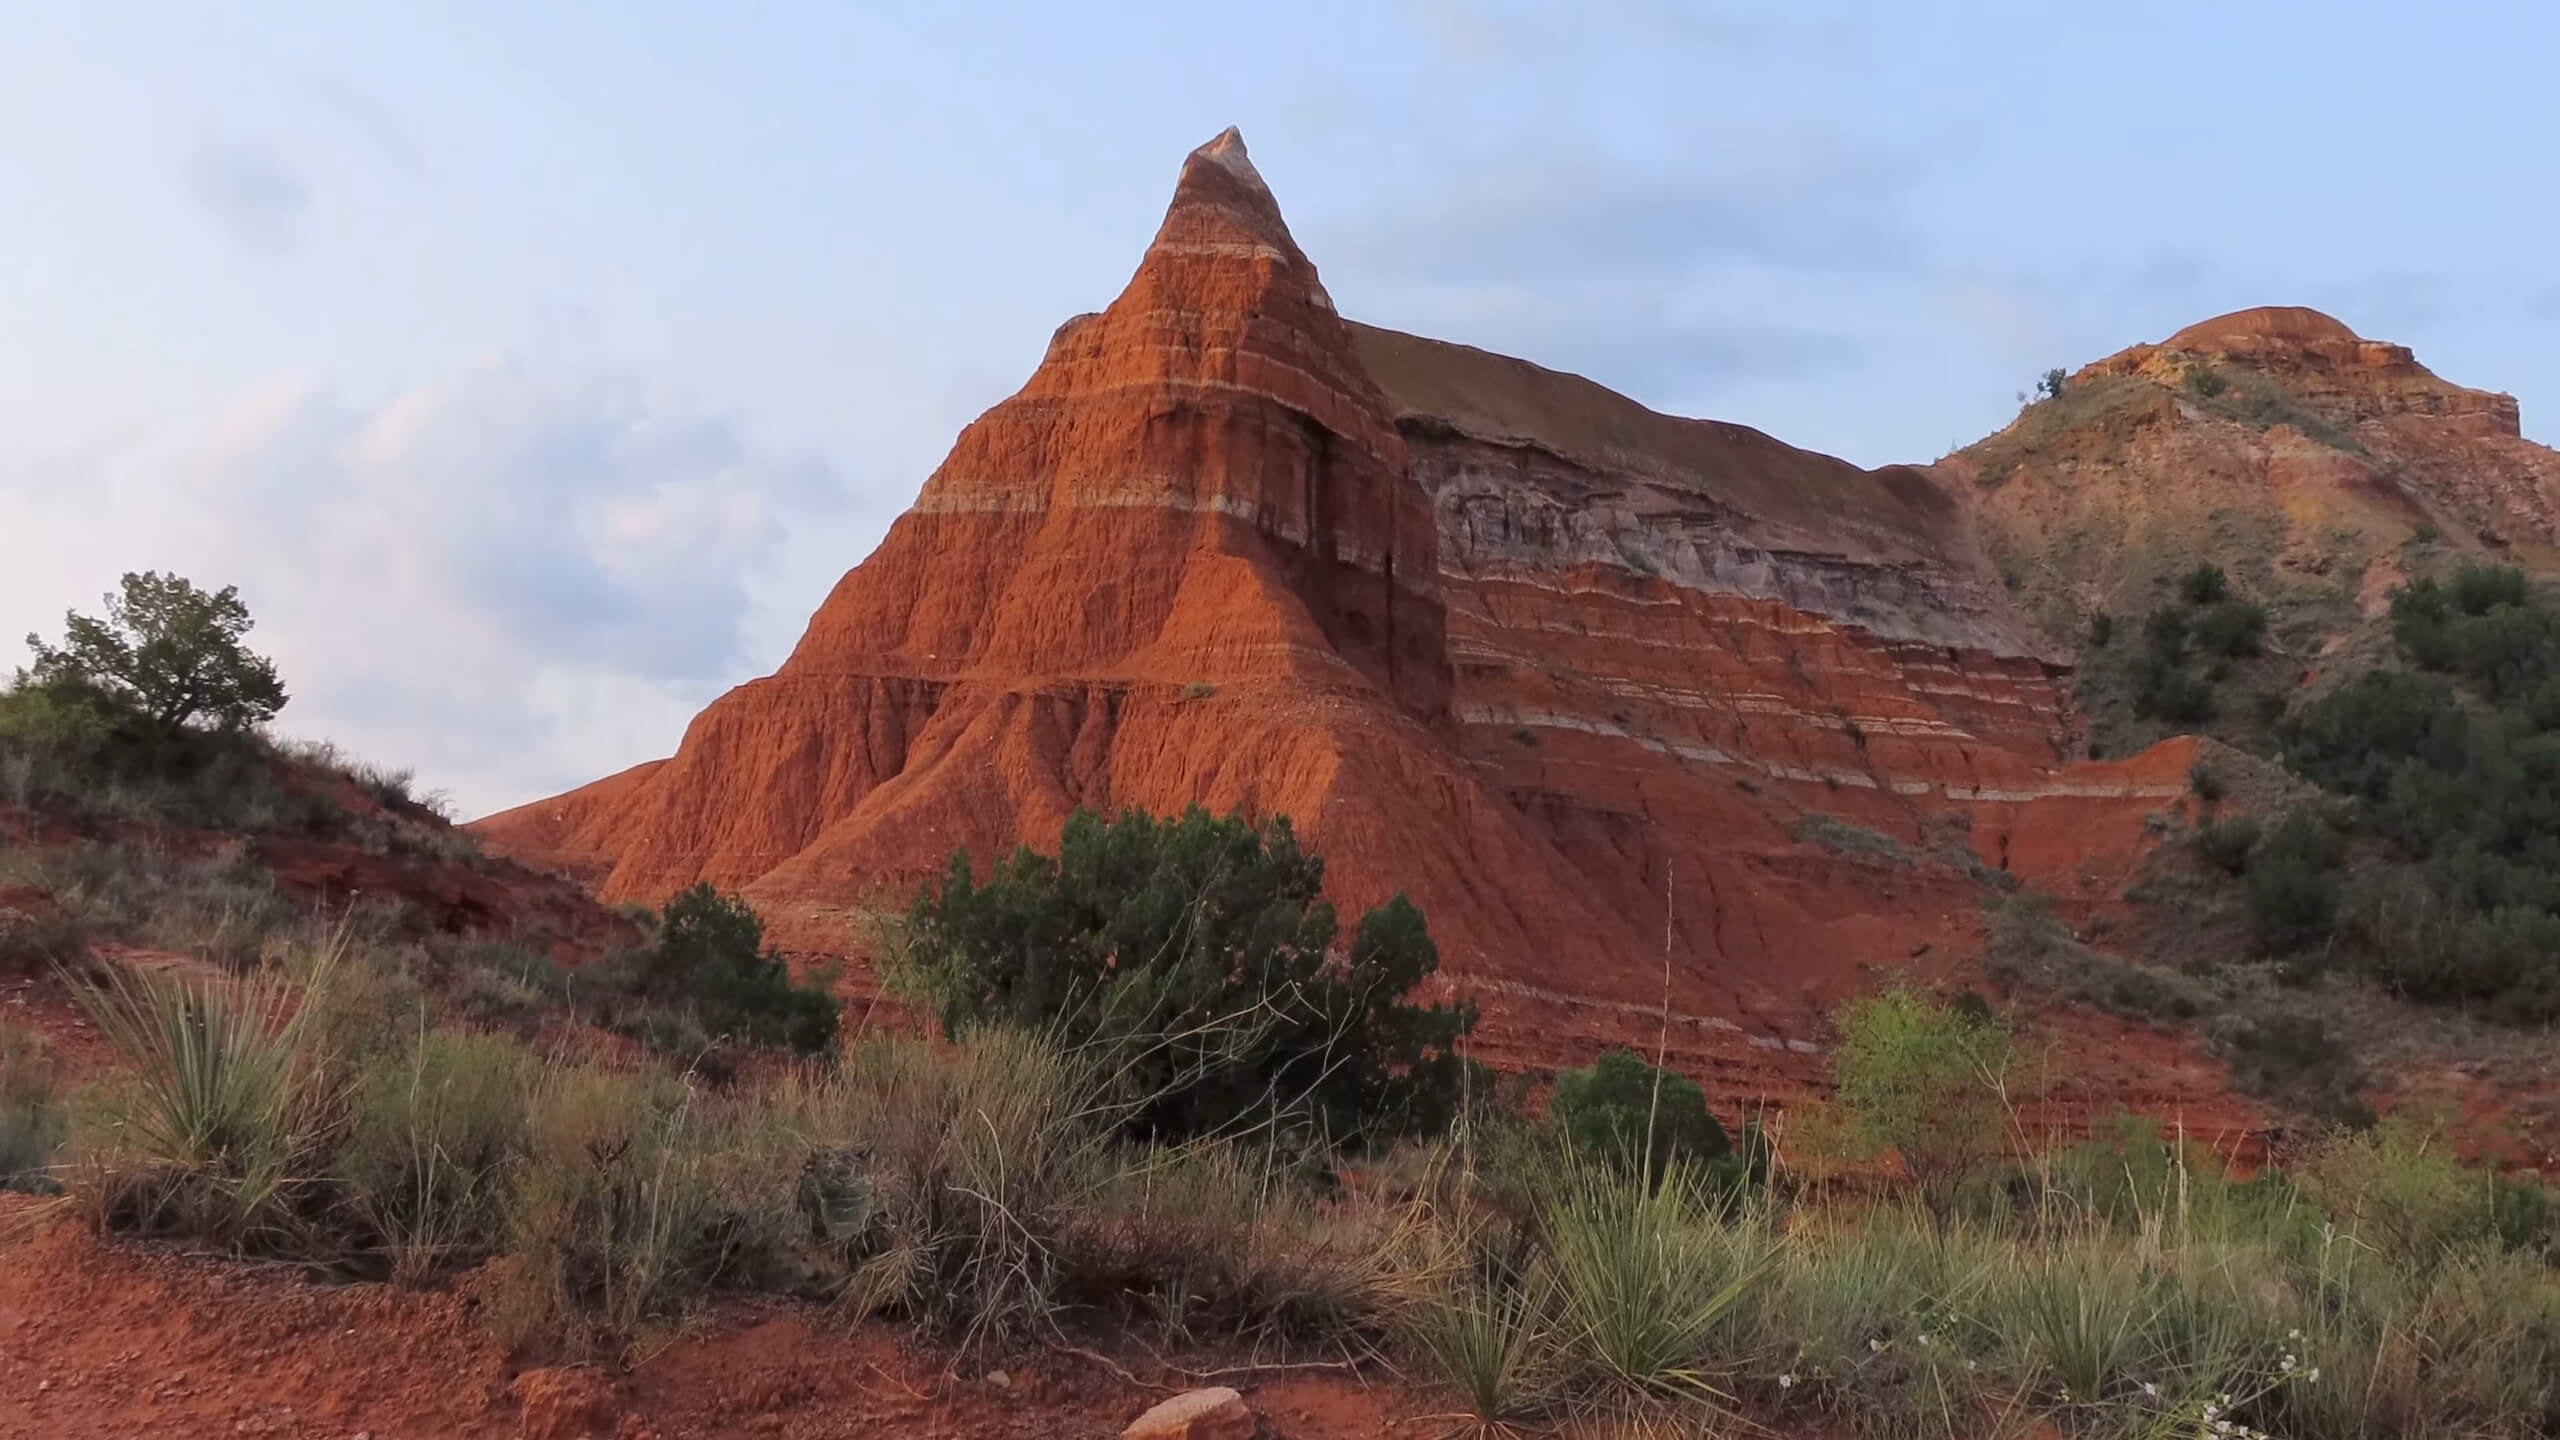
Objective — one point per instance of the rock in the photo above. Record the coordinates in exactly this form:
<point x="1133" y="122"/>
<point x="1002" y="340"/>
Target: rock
<point x="1226" y="548"/>
<point x="566" y="1403"/>
<point x="1213" y="1414"/>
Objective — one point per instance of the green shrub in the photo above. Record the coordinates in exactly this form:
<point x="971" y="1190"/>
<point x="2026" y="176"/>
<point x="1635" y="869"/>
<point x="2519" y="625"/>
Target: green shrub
<point x="1621" y="1111"/>
<point x="2292" y="886"/>
<point x="710" y="961"/>
<point x="1191" y="955"/>
<point x="2232" y="628"/>
<point x="2204" y="585"/>
<point x="2225" y="844"/>
<point x="1917" y="1078"/>
<point x="2102" y="628"/>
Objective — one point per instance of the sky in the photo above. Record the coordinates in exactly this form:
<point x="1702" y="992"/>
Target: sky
<point x="534" y="370"/>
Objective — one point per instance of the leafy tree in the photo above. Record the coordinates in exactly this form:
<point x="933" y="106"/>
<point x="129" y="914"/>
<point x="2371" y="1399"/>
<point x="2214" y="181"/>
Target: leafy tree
<point x="2050" y="385"/>
<point x="1926" y="1081"/>
<point x="1196" y="956"/>
<point x="710" y="955"/>
<point x="1628" y="1113"/>
<point x="168" y="652"/>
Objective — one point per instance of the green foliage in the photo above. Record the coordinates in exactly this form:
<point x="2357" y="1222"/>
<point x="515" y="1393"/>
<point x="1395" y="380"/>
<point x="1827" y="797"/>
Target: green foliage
<point x="1648" y="1272"/>
<point x="1193" y="953"/>
<point x="222" y="1118"/>
<point x="2102" y="628"/>
<point x="2225" y="844"/>
<point x="168" y="653"/>
<point x="2204" y="585"/>
<point x="1621" y="1111"/>
<point x="433" y="1131"/>
<point x="2457" y="766"/>
<point x="2292" y="885"/>
<point x="2205" y="381"/>
<point x="2234" y="629"/>
<point x="2050" y="385"/>
<point x="1915" y="1076"/>
<point x="710" y="960"/>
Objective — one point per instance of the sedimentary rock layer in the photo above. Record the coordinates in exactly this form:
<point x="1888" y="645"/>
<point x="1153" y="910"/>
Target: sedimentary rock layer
<point x="1661" y="721"/>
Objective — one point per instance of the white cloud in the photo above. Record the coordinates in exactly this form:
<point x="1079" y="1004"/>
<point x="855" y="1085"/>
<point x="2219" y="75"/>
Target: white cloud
<point x="510" y="583"/>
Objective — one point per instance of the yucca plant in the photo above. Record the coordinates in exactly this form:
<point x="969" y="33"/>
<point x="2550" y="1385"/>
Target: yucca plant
<point x="225" y="1111"/>
<point x="1488" y="1340"/>
<point x="1647" y="1273"/>
<point x="2084" y="1315"/>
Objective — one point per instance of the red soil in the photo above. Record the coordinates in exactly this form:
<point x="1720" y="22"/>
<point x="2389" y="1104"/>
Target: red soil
<point x="106" y="1339"/>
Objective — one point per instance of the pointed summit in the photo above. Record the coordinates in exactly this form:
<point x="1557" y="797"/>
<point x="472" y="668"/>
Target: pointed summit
<point x="1228" y="150"/>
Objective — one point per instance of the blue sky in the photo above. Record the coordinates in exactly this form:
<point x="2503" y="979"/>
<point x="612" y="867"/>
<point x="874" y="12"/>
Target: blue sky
<point x="534" y="369"/>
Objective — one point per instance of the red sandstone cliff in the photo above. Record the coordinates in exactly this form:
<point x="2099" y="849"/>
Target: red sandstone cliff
<point x="1492" y="635"/>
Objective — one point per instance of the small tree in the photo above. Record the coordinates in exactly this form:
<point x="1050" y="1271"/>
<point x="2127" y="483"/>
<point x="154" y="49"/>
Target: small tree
<point x="1195" y="957"/>
<point x="1926" y="1081"/>
<point x="2050" y="384"/>
<point x="168" y="652"/>
<point x="710" y="955"/>
<point x="1623" y="1111"/>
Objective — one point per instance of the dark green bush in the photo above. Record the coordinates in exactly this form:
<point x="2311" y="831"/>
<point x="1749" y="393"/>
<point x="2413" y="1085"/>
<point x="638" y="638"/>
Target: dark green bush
<point x="2203" y="585"/>
<point x="710" y="959"/>
<point x="2292" y="886"/>
<point x="1622" y="1110"/>
<point x="2225" y="844"/>
<point x="2232" y="628"/>
<point x="1194" y="954"/>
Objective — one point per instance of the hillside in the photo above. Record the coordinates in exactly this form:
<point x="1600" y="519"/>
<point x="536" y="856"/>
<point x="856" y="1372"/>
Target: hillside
<point x="2318" y="469"/>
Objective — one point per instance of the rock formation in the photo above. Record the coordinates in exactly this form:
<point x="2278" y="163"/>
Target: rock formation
<point x="2275" y="442"/>
<point x="1623" y="701"/>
